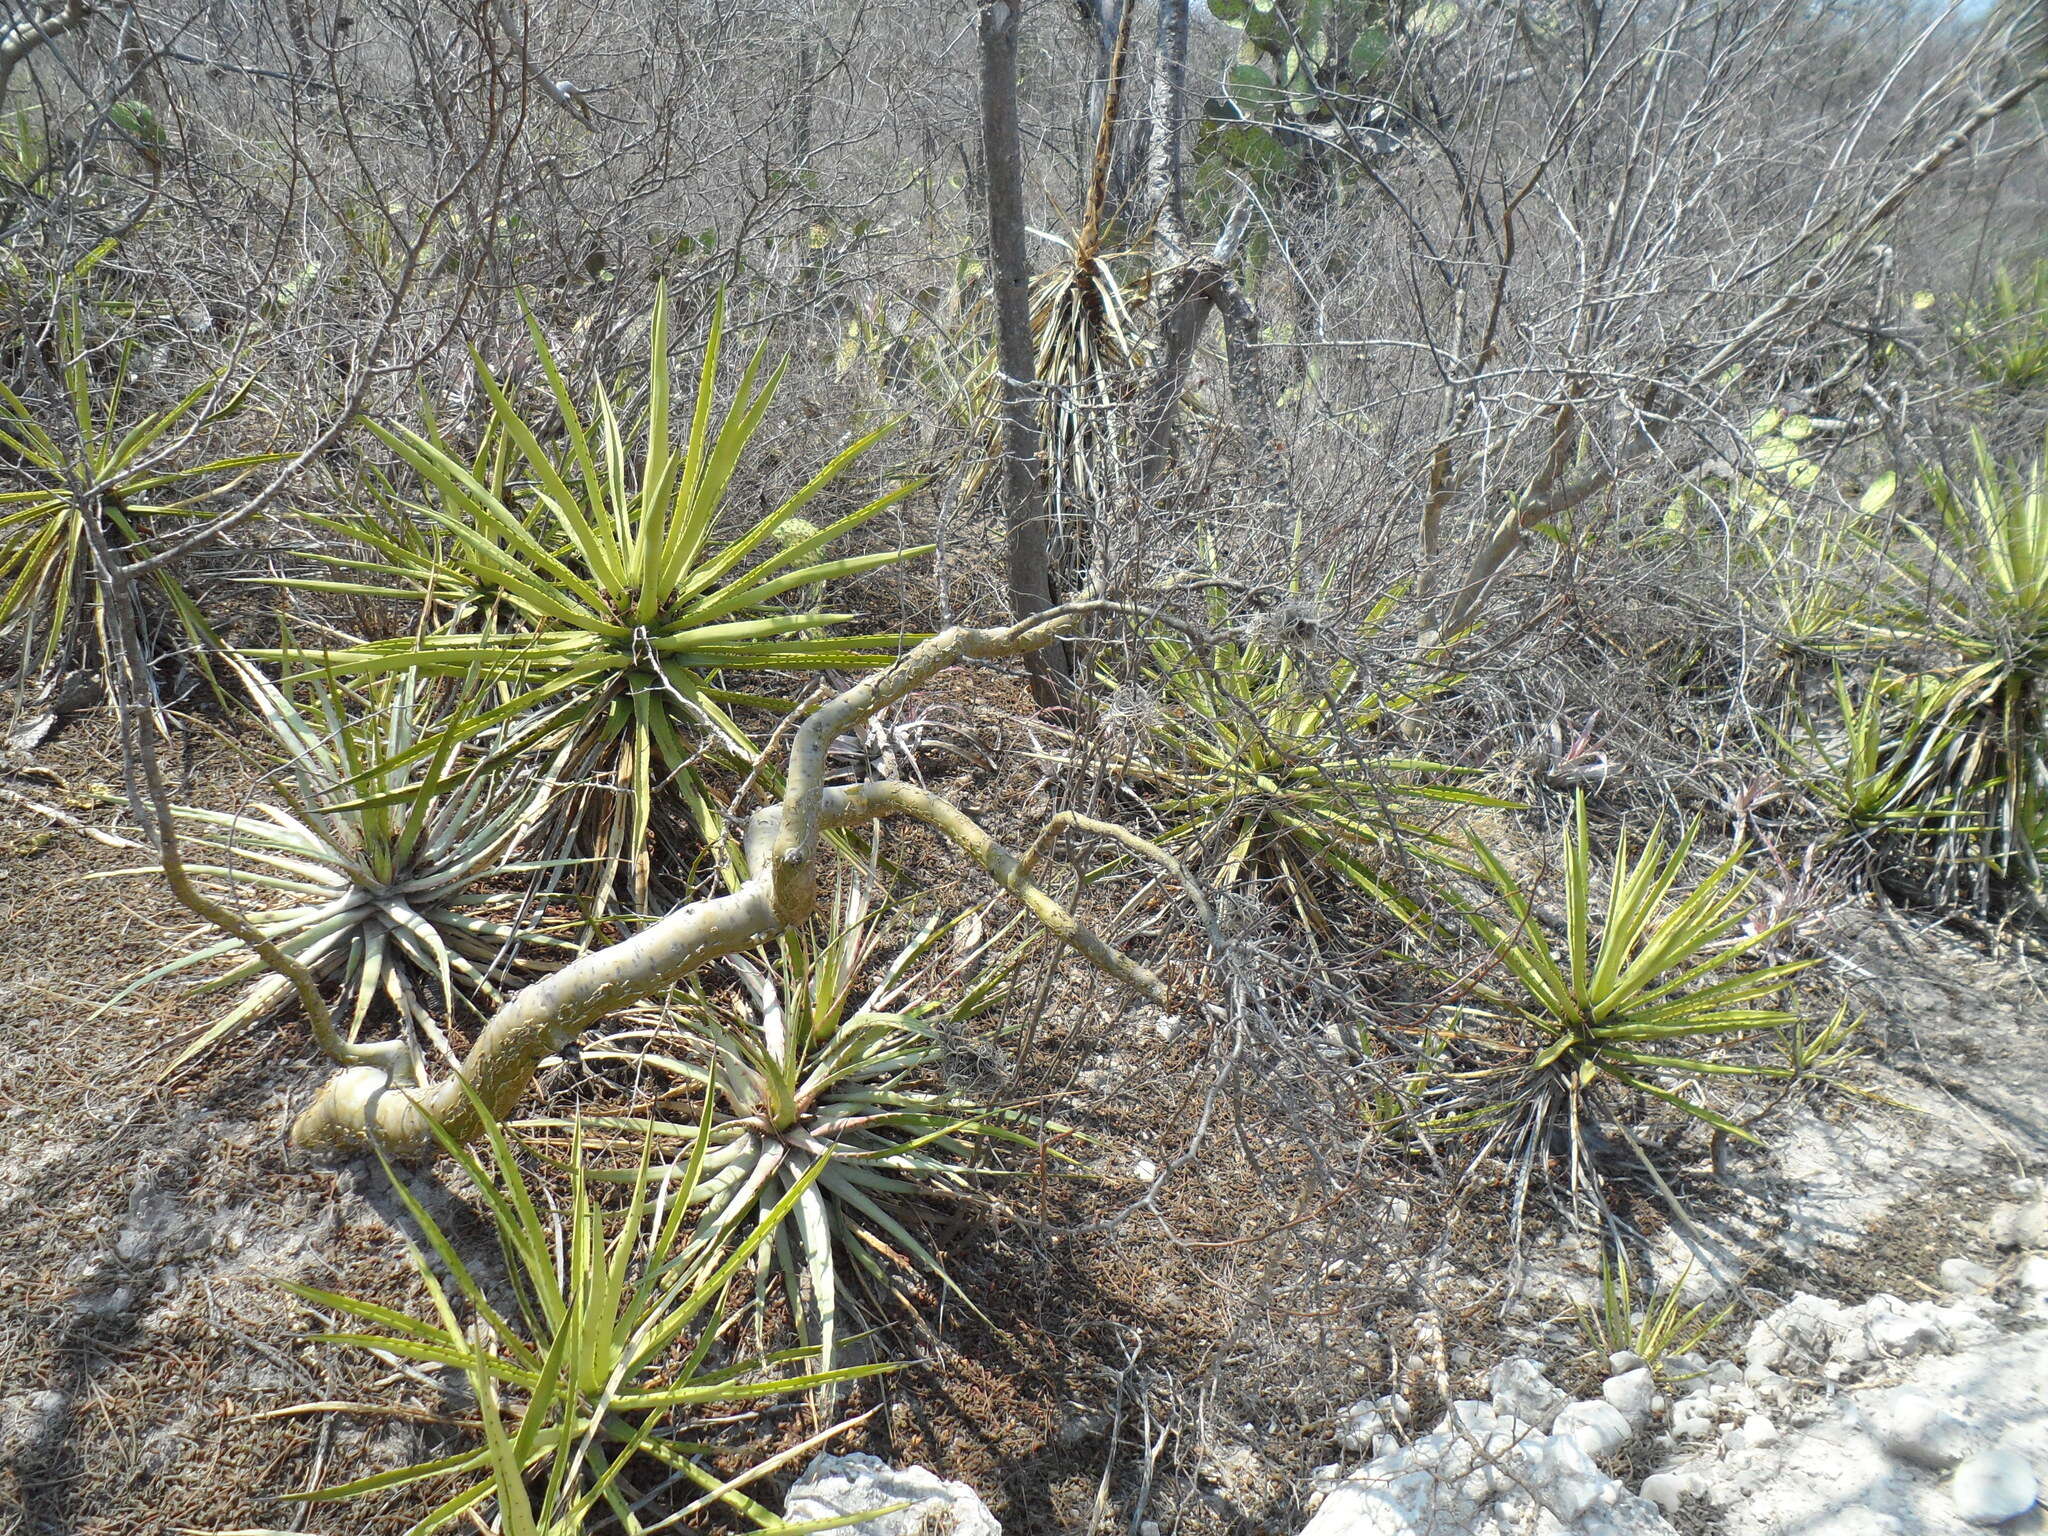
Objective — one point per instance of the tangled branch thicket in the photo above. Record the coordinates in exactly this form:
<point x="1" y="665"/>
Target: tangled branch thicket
<point x="1328" y="481"/>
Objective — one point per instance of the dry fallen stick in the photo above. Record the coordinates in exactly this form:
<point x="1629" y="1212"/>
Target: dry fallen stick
<point x="66" y="819"/>
<point x="368" y="1105"/>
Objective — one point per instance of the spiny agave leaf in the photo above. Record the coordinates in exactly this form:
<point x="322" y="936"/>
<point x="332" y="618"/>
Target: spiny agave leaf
<point x="594" y="1397"/>
<point x="395" y="869"/>
<point x="626" y="612"/>
<point x="816" y="1090"/>
<point x="1650" y="996"/>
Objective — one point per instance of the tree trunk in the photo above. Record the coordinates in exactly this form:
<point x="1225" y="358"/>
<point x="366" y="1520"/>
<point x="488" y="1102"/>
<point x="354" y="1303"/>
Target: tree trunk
<point x="1186" y="295"/>
<point x="1024" y="509"/>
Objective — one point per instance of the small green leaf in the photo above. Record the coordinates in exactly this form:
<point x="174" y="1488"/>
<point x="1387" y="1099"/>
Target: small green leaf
<point x="138" y="121"/>
<point x="1775" y="453"/>
<point x="1879" y="493"/>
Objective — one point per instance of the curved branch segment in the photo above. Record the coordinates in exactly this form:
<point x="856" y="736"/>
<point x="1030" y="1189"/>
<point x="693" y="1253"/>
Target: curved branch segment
<point x="36" y="25"/>
<point x="366" y="1106"/>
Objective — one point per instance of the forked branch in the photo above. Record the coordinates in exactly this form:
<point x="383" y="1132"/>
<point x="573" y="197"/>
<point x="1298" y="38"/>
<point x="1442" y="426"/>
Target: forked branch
<point x="367" y="1105"/>
<point x="36" y="24"/>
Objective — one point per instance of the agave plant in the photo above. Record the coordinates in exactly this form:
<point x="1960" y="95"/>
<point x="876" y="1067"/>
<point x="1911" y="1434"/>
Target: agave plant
<point x="1284" y="767"/>
<point x="1876" y="769"/>
<point x="832" y="1089"/>
<point x="382" y="869"/>
<point x="94" y="471"/>
<point x="615" y="609"/>
<point x="588" y="1399"/>
<point x="455" y="593"/>
<point x="1810" y="595"/>
<point x="2005" y="333"/>
<point x="1088" y="364"/>
<point x="1088" y="359"/>
<point x="1653" y="1323"/>
<point x="1650" y="998"/>
<point x="1978" y="589"/>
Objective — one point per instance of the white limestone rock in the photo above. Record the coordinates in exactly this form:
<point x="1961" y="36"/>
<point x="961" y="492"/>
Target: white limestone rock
<point x="1900" y="1331"/>
<point x="1667" y="1490"/>
<point x="1360" y="1426"/>
<point x="1521" y="1389"/>
<point x="1625" y="1516"/>
<point x="1683" y="1368"/>
<point x="1801" y="1334"/>
<point x="1599" y="1429"/>
<point x="1483" y="1472"/>
<point x="1322" y="1482"/>
<point x="1631" y="1393"/>
<point x="1389" y="1496"/>
<point x="847" y="1485"/>
<point x="1993" y="1487"/>
<point x="1472" y="1418"/>
<point x="1756" y="1432"/>
<point x="1692" y="1416"/>
<point x="1915" y="1428"/>
<point x="31" y="1425"/>
<point x="2021" y="1225"/>
<point x="1965" y="1277"/>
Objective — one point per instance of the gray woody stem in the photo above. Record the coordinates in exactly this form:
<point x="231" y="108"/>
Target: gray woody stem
<point x="1028" y="529"/>
<point x="365" y="1106"/>
<point x="38" y="25"/>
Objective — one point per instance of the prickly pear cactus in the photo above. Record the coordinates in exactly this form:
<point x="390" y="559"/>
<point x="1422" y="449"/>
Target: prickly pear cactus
<point x="1292" y="46"/>
<point x="1302" y="65"/>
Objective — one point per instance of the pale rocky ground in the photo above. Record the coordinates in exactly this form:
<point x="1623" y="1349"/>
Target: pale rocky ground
<point x="146" y="1232"/>
<point x="1896" y="1417"/>
<point x="1917" y="1413"/>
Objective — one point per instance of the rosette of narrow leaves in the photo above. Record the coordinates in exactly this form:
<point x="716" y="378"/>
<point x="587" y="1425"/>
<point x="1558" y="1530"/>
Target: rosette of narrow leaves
<point x="1812" y="577"/>
<point x="829" y="1084"/>
<point x="1089" y="358"/>
<point x="2005" y="333"/>
<point x="592" y="1394"/>
<point x="1877" y="768"/>
<point x="87" y="468"/>
<point x="382" y="864"/>
<point x="1648" y="996"/>
<point x="455" y="593"/>
<point x="1977" y="587"/>
<point x="1286" y="768"/>
<point x="1653" y="1322"/>
<point x="596" y="592"/>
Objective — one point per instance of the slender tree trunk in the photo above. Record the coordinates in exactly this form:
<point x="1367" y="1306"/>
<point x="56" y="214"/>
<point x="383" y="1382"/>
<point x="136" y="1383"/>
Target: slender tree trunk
<point x="299" y="37"/>
<point x="1024" y="509"/>
<point x="1187" y="293"/>
<point x="132" y="48"/>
